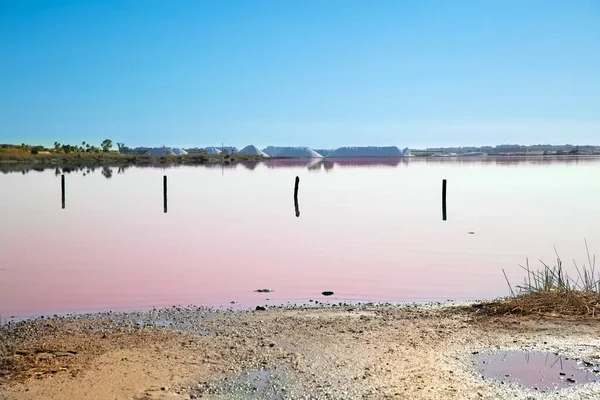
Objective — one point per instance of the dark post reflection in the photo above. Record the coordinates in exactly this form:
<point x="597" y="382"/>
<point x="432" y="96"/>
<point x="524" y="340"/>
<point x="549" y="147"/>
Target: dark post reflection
<point x="62" y="189"/>
<point x="443" y="200"/>
<point x="296" y="197"/>
<point x="165" y="193"/>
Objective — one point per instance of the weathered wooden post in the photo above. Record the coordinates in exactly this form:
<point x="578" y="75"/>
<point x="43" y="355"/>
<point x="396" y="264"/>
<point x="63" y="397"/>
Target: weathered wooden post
<point x="165" y="193"/>
<point x="62" y="189"/>
<point x="443" y="199"/>
<point x="296" y="197"/>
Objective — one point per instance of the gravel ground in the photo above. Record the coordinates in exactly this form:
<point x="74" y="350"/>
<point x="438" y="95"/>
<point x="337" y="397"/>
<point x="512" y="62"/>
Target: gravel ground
<point x="366" y="351"/>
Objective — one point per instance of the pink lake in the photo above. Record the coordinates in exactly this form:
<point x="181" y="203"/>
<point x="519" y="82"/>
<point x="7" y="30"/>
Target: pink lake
<point x="368" y="230"/>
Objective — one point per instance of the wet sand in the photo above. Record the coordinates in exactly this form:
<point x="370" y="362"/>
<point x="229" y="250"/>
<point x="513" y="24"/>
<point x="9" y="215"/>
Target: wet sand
<point x="422" y="351"/>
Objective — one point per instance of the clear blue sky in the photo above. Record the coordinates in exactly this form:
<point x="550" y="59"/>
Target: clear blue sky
<point x="320" y="73"/>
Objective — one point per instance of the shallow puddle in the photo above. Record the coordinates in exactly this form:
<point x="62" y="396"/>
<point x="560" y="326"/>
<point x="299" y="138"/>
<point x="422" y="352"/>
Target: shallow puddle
<point x="536" y="370"/>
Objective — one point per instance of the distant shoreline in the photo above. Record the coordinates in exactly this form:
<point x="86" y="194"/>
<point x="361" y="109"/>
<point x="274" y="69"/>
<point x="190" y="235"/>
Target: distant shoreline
<point x="116" y="159"/>
<point x="78" y="160"/>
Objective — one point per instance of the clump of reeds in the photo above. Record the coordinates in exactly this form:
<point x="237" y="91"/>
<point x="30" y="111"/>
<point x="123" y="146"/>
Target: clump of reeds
<point x="550" y="290"/>
<point x="549" y="278"/>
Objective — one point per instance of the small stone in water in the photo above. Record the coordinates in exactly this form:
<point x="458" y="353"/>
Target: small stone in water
<point x="327" y="293"/>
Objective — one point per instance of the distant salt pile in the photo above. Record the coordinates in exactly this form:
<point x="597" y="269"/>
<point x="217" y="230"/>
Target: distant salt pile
<point x="324" y="152"/>
<point x="231" y="149"/>
<point x="212" y="150"/>
<point x="165" y="151"/>
<point x="370" y="151"/>
<point x="253" y="150"/>
<point x="291" y="152"/>
<point x="473" y="154"/>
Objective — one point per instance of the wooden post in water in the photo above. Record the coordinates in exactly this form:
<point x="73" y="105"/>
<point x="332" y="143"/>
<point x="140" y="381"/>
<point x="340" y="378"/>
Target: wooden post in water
<point x="296" y="197"/>
<point x="443" y="199"/>
<point x="165" y="193"/>
<point x="62" y="189"/>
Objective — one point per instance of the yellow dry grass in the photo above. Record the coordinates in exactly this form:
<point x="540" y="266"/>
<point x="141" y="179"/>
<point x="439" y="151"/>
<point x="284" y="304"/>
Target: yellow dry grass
<point x="551" y="303"/>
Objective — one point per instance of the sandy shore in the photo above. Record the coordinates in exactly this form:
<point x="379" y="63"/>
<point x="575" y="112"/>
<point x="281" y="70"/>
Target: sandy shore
<point x="343" y="352"/>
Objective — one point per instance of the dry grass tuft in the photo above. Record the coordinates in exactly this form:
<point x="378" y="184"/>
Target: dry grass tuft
<point x="550" y="291"/>
<point x="554" y="303"/>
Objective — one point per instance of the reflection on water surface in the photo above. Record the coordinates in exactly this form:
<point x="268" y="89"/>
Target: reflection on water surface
<point x="369" y="230"/>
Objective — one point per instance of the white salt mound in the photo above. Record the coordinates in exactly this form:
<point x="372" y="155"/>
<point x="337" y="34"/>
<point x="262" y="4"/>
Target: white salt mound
<point x="165" y="151"/>
<point x="370" y="151"/>
<point x="324" y="152"/>
<point x="253" y="150"/>
<point x="291" y="152"/>
<point x="212" y="150"/>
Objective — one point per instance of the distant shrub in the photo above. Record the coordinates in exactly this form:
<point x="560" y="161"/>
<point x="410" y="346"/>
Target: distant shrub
<point x="16" y="157"/>
<point x="37" y="149"/>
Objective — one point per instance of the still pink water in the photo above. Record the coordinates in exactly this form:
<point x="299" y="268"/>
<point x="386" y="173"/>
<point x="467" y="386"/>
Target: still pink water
<point x="366" y="232"/>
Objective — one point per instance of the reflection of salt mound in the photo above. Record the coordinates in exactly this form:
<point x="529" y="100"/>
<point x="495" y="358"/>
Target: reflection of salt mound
<point x="370" y="151"/>
<point x="324" y="152"/>
<point x="252" y="150"/>
<point x="291" y="162"/>
<point x="291" y="152"/>
<point x="212" y="150"/>
<point x="165" y="151"/>
<point x="444" y="155"/>
<point x="251" y="165"/>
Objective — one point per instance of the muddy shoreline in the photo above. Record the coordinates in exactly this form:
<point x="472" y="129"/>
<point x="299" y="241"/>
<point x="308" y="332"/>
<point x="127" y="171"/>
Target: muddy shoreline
<point x="367" y="351"/>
